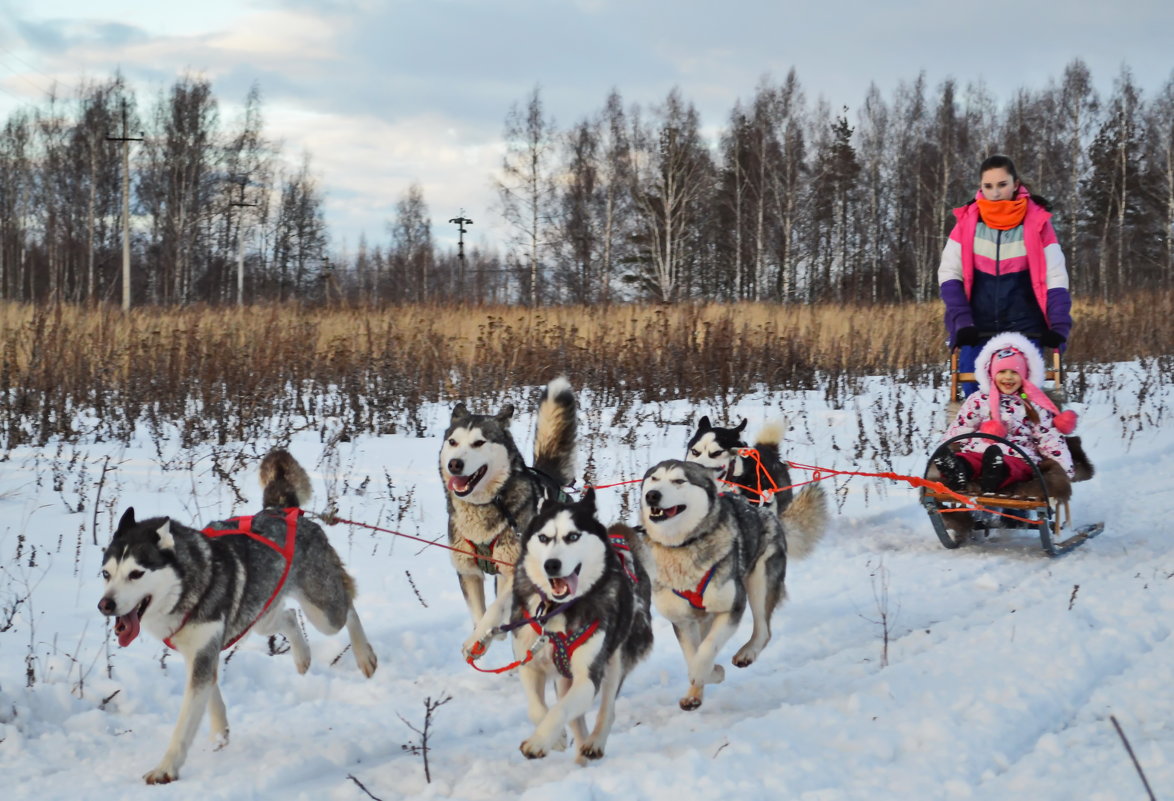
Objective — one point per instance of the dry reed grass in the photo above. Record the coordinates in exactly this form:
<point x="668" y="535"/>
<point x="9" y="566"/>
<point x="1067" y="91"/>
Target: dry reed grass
<point x="216" y="373"/>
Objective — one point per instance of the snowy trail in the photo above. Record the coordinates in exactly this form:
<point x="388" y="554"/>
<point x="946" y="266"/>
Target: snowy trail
<point x="1004" y="665"/>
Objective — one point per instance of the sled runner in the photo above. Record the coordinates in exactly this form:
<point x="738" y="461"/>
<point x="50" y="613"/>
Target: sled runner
<point x="1038" y="504"/>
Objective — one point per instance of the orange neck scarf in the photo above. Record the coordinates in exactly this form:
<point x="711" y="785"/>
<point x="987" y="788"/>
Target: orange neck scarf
<point x="1002" y="215"/>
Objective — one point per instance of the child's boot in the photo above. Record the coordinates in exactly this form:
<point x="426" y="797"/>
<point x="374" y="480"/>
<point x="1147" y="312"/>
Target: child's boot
<point x="955" y="472"/>
<point x="994" y="469"/>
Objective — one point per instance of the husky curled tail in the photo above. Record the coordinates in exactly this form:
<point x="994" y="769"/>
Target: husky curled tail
<point x="283" y="481"/>
<point x="805" y="521"/>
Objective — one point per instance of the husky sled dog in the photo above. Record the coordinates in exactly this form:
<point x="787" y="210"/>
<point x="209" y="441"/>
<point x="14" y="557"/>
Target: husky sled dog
<point x="491" y="493"/>
<point x="201" y="591"/>
<point x="712" y="554"/>
<point x="719" y="450"/>
<point x="581" y="605"/>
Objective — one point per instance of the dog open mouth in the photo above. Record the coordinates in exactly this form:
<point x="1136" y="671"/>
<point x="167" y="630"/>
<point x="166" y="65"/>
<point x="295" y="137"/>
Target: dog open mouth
<point x="463" y="485"/>
<point x="127" y="626"/>
<point x="564" y="587"/>
<point x="664" y="513"/>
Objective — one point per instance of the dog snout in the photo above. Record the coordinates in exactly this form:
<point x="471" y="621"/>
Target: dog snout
<point x="553" y="567"/>
<point x="106" y="606"/>
<point x="652" y="497"/>
<point x="456" y="466"/>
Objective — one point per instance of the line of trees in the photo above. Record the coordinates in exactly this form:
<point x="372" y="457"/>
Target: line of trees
<point x="199" y="191"/>
<point x="790" y="201"/>
<point x="797" y="202"/>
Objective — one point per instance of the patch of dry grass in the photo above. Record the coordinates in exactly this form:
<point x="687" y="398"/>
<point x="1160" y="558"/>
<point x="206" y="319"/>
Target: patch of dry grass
<point x="214" y="372"/>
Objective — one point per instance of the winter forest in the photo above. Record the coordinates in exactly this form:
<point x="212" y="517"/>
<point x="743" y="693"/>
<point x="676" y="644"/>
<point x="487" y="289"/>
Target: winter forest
<point x="788" y="200"/>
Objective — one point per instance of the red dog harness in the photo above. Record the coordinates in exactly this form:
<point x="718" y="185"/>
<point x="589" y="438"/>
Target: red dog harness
<point x="563" y="645"/>
<point x="621" y="545"/>
<point x="244" y="525"/>
<point x="696" y="598"/>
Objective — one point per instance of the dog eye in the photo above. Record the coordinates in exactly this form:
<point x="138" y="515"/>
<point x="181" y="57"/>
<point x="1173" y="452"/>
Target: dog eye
<point x="452" y="443"/>
<point x="573" y="536"/>
<point x="105" y="575"/>
<point x="694" y="451"/>
<point x="715" y="454"/>
<point x="678" y="481"/>
<point x="135" y="575"/>
<point x="478" y="443"/>
<point x="543" y="539"/>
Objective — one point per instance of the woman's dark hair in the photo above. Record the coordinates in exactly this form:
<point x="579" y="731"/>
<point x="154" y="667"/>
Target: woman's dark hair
<point x="999" y="161"/>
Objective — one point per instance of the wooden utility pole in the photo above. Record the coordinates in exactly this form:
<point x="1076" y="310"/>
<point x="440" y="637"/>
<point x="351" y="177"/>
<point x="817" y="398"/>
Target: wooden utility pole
<point x="126" y="140"/>
<point x="461" y="221"/>
<point x="240" y="245"/>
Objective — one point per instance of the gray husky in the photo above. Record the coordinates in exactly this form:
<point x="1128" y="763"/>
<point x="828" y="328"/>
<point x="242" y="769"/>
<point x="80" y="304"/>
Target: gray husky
<point x="720" y="449"/>
<point x="712" y="554"/>
<point x="201" y="591"/>
<point x="581" y="607"/>
<point x="492" y="495"/>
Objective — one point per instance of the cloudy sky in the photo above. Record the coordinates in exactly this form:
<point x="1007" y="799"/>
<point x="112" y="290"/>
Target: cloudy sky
<point x="383" y="94"/>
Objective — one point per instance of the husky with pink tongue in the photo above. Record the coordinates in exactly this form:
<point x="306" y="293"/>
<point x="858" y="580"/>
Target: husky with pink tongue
<point x="492" y="494"/>
<point x="581" y="608"/>
<point x="202" y="590"/>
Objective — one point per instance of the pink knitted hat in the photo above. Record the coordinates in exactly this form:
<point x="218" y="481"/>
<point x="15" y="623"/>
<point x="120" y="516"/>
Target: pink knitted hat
<point x="1015" y="352"/>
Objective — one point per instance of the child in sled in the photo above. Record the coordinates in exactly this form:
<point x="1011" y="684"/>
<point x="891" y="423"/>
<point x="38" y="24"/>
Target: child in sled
<point x="1009" y="404"/>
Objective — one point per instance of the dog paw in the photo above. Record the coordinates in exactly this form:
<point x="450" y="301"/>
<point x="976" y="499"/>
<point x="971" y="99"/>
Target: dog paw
<point x="366" y="660"/>
<point x="589" y="750"/>
<point x="532" y="750"/>
<point x="745" y="656"/>
<point x="220" y="740"/>
<point x="692" y="699"/>
<point x="161" y="775"/>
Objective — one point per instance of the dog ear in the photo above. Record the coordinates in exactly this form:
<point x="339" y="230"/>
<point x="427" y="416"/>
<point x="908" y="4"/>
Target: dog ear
<point x="587" y="502"/>
<point x="460" y="412"/>
<point x="505" y="414"/>
<point x="166" y="540"/>
<point x="703" y="424"/>
<point x="741" y="426"/>
<point x="127" y="521"/>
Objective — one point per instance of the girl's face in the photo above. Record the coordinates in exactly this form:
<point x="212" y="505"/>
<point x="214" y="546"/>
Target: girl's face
<point x="1008" y="381"/>
<point x="997" y="184"/>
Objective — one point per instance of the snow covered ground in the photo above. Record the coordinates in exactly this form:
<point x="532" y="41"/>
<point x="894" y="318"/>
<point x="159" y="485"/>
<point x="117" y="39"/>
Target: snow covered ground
<point x="1004" y="667"/>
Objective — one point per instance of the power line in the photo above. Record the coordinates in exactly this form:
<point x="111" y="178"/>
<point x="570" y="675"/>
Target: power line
<point x="23" y="76"/>
<point x="12" y="54"/>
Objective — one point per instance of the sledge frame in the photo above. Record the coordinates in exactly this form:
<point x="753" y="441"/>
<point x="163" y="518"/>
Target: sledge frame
<point x="1044" y="515"/>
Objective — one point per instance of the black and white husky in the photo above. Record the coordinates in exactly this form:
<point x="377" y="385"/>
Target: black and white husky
<point x="765" y="480"/>
<point x="712" y="555"/>
<point x="581" y="608"/>
<point x="201" y="591"/>
<point x="492" y="495"/>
